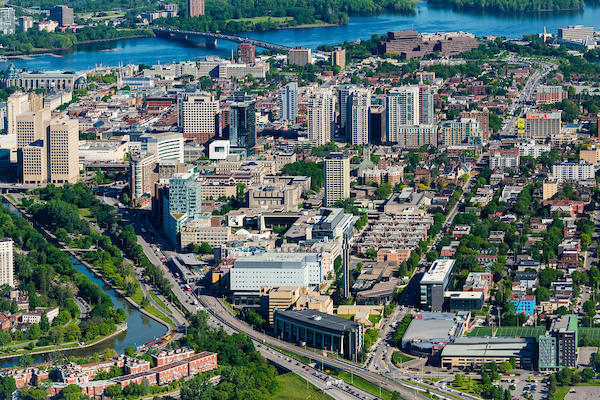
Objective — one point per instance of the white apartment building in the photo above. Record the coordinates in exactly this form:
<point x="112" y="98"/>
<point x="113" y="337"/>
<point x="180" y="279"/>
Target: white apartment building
<point x="276" y="269"/>
<point x="402" y="108"/>
<point x="337" y="178"/>
<point x="359" y="105"/>
<point x="533" y="149"/>
<point x="288" y="102"/>
<point x="568" y="171"/>
<point x="6" y="262"/>
<point x="198" y="115"/>
<point x="321" y="116"/>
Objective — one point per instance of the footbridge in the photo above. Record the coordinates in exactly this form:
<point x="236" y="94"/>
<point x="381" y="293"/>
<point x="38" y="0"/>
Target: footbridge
<point x="212" y="37"/>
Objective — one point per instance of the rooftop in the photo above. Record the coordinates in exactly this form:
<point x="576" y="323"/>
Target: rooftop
<point x="438" y="272"/>
<point x="319" y="319"/>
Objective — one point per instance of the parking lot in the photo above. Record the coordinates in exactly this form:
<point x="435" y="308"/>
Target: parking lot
<point x="521" y="387"/>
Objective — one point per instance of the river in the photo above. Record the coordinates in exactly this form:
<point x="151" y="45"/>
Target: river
<point x="140" y="328"/>
<point x="426" y="19"/>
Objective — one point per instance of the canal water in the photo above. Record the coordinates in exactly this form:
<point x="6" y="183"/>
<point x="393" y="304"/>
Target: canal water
<point x="426" y="19"/>
<point x="140" y="328"/>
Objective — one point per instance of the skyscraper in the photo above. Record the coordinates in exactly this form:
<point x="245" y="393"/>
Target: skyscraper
<point x="185" y="195"/>
<point x="246" y="53"/>
<point x="16" y="104"/>
<point x="63" y="151"/>
<point x="195" y="8"/>
<point x="321" y="116"/>
<point x="6" y="262"/>
<point x="338" y="57"/>
<point x="402" y="109"/>
<point x="7" y="20"/>
<point x="242" y="126"/>
<point x="359" y="105"/>
<point x="337" y="178"/>
<point x="198" y="116"/>
<point x="288" y="102"/>
<point x="343" y="97"/>
<point x="426" y="116"/>
<point x="63" y="15"/>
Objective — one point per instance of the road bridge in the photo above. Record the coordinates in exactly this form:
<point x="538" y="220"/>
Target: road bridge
<point x="212" y="37"/>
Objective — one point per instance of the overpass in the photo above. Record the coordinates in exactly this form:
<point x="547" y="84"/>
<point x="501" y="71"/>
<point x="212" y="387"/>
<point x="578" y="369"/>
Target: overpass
<point x="212" y="37"/>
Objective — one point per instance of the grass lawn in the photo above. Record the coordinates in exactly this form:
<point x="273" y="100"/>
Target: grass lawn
<point x="363" y="384"/>
<point x="86" y="214"/>
<point x="374" y="318"/>
<point x="561" y="392"/>
<point x="292" y="387"/>
<point x="302" y="359"/>
<point x="159" y="301"/>
<point x="345" y="316"/>
<point x="138" y="296"/>
<point x="398" y="358"/>
<point x="154" y="311"/>
<point x="264" y="18"/>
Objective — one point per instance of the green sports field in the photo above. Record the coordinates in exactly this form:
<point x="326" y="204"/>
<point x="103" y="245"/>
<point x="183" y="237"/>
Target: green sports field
<point x="511" y="331"/>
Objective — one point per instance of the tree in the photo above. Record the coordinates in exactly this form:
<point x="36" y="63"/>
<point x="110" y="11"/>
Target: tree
<point x="71" y="392"/>
<point x="113" y="391"/>
<point x="542" y="294"/>
<point x="206" y="248"/>
<point x="25" y="360"/>
<point x="34" y="332"/>
<point x="109" y="353"/>
<point x="33" y="394"/>
<point x="383" y="191"/>
<point x="590" y="308"/>
<point x="7" y="387"/>
<point x="44" y="323"/>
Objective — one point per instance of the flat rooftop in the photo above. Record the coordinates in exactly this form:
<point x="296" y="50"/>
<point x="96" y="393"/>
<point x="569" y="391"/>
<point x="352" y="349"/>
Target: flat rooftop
<point x="438" y="272"/>
<point x="489" y="347"/>
<point x="276" y="260"/>
<point x="319" y="319"/>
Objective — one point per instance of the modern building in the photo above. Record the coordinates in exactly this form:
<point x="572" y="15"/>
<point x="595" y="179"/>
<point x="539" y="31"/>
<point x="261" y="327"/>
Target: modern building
<point x="218" y="149"/>
<point x="333" y="223"/>
<point x="343" y="96"/>
<point x="34" y="163"/>
<point x="25" y="23"/>
<point x="246" y="53"/>
<point x="288" y="102"/>
<point x="7" y="20"/>
<point x="299" y="56"/>
<point x="201" y="230"/>
<point x="472" y="352"/>
<point x="558" y="348"/>
<point x="242" y="126"/>
<point x="63" y="151"/>
<point x="184" y="195"/>
<point x="16" y="104"/>
<point x="6" y="262"/>
<point x="165" y="145"/>
<point x="426" y="111"/>
<point x="410" y="44"/>
<point x="195" y="8"/>
<point x="338" y="57"/>
<point x="359" y="104"/>
<point x="483" y="118"/>
<point x="429" y="332"/>
<point x="435" y="282"/>
<point x="415" y="136"/>
<point x="337" y="178"/>
<point x="465" y="301"/>
<point x="251" y="273"/>
<point x="321" y="116"/>
<point x="31" y="126"/>
<point x="198" y="116"/>
<point x="320" y="330"/>
<point x="539" y="125"/>
<point x="456" y="132"/>
<point x="523" y="303"/>
<point x="573" y="172"/>
<point x="576" y="33"/>
<point x="402" y="106"/>
<point x="377" y="125"/>
<point x="502" y="159"/>
<point x="533" y="149"/>
<point x="63" y="15"/>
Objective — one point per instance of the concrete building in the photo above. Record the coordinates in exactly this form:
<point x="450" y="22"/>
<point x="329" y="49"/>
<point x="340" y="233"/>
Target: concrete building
<point x="288" y="102"/>
<point x="63" y="151"/>
<point x="320" y="330"/>
<point x="377" y="125"/>
<point x="195" y="8"/>
<point x="435" y="282"/>
<point x="165" y="145"/>
<point x="7" y="20"/>
<point x="402" y="106"/>
<point x="218" y="149"/>
<point x="410" y="44"/>
<point x="184" y="195"/>
<point x="533" y="149"/>
<point x="16" y="104"/>
<point x="333" y="223"/>
<point x="472" y="352"/>
<point x="573" y="172"/>
<point x="321" y="116"/>
<point x="415" y="136"/>
<point x="34" y="163"/>
<point x="576" y="33"/>
<point x="558" y="348"/>
<point x="338" y="57"/>
<point x="198" y="114"/>
<point x="25" y="23"/>
<point x="483" y="118"/>
<point x="6" y="262"/>
<point x="63" y="15"/>
<point x="502" y="159"/>
<point x="337" y="178"/>
<point x="539" y="125"/>
<point x="251" y="273"/>
<point x="550" y="95"/>
<point x="453" y="133"/>
<point x="286" y="196"/>
<point x="102" y="151"/>
<point x="299" y="56"/>
<point x="426" y="110"/>
<point x="359" y="104"/>
<point x="201" y="230"/>
<point x="246" y="53"/>
<point x="31" y="126"/>
<point x="44" y="80"/>
<point x="549" y="189"/>
<point x="523" y="303"/>
<point x="429" y="332"/>
<point x="590" y="155"/>
<point x="242" y="126"/>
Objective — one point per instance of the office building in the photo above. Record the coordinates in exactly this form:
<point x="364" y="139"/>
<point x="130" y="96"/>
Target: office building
<point x="590" y="155"/>
<point x="333" y="223"/>
<point x="539" y="125"/>
<point x="201" y="230"/>
<point x="558" y="347"/>
<point x="242" y="126"/>
<point x="44" y="80"/>
<point x="472" y="352"/>
<point x="31" y="126"/>
<point x="184" y="195"/>
<point x="377" y="125"/>
<point x="63" y="151"/>
<point x="195" y="8"/>
<point x="16" y="104"/>
<point x="320" y="330"/>
<point x="63" y="15"/>
<point x="414" y="136"/>
<point x="165" y="145"/>
<point x="573" y="172"/>
<point x="7" y="20"/>
<point x="410" y="44"/>
<point x="250" y="273"/>
<point x="338" y="57"/>
<point x="456" y="132"/>
<point x="343" y="96"/>
<point x="426" y="111"/>
<point x="299" y="56"/>
<point x="34" y="163"/>
<point x="576" y="33"/>
<point x="359" y="104"/>
<point x="6" y="262"/>
<point x="429" y="332"/>
<point x="25" y="23"/>
<point x="337" y="178"/>
<point x="435" y="282"/>
<point x="142" y="179"/>
<point x="218" y="150"/>
<point x="321" y="116"/>
<point x="288" y="102"/>
<point x="246" y="53"/>
<point x="198" y="116"/>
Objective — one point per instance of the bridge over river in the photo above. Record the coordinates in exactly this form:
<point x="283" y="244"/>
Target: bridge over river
<point x="212" y="37"/>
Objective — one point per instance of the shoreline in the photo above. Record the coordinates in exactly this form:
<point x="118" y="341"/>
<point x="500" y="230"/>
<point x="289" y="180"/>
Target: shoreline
<point x="93" y="271"/>
<point x="307" y="26"/>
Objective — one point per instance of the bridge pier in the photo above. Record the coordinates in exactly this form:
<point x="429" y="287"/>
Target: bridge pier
<point x="211" y="43"/>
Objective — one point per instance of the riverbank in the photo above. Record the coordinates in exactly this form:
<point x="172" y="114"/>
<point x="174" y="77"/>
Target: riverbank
<point x="96" y="273"/>
<point x="308" y="26"/>
<point x="40" y="52"/>
<point x="75" y="346"/>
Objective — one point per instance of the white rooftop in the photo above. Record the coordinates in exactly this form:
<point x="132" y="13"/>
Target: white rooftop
<point x="438" y="271"/>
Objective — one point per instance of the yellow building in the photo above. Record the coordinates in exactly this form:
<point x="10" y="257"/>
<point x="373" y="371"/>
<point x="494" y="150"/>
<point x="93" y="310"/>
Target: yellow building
<point x="591" y="155"/>
<point x="549" y="189"/>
